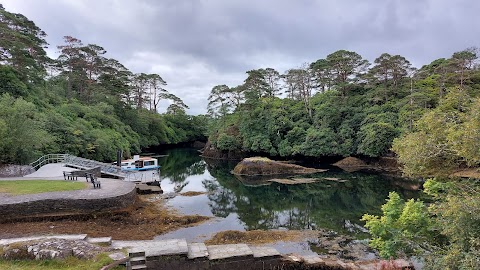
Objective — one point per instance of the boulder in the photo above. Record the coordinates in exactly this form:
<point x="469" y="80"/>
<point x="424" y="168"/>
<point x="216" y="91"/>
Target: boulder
<point x="266" y="166"/>
<point x="47" y="249"/>
<point x="380" y="164"/>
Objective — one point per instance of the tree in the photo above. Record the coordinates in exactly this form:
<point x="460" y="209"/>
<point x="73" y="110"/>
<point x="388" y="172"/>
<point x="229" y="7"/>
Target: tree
<point x="22" y="46"/>
<point x="255" y="85"/>
<point x="299" y="86"/>
<point x="115" y="81"/>
<point x="22" y="131"/>
<point x="140" y="90"/>
<point x="70" y="63"/>
<point x="156" y="90"/>
<point x="390" y="70"/>
<point x="322" y="73"/>
<point x="463" y="62"/>
<point x="178" y="107"/>
<point x="218" y="102"/>
<point x="272" y="78"/>
<point x="346" y="67"/>
<point x="402" y="230"/>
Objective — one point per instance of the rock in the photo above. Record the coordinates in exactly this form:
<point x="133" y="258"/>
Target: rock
<point x="351" y="164"/>
<point x="198" y="145"/>
<point x="381" y="164"/>
<point x="51" y="249"/>
<point x="294" y="181"/>
<point x="10" y="170"/>
<point x="266" y="166"/>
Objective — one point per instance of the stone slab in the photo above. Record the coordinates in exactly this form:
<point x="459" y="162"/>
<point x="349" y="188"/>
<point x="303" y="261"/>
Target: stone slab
<point x="155" y="247"/>
<point x="117" y="256"/>
<point x="197" y="250"/>
<point x="217" y="252"/>
<point x="100" y="240"/>
<point x="261" y="251"/>
<point x="312" y="259"/>
<point x="32" y="238"/>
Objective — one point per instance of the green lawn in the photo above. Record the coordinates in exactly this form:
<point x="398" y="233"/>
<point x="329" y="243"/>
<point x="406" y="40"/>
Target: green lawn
<point x="70" y="263"/>
<point x="20" y="187"/>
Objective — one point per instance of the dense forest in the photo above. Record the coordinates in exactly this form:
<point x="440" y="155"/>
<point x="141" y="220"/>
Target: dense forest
<point x="338" y="106"/>
<point x="82" y="102"/>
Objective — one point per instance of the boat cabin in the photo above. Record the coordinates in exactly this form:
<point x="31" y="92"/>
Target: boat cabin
<point x="140" y="164"/>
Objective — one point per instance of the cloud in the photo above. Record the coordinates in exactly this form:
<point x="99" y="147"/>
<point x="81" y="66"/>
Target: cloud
<point x="196" y="44"/>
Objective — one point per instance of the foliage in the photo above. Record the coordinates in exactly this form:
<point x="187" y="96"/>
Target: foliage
<point x="338" y="107"/>
<point x="90" y="106"/>
<point x="70" y="263"/>
<point x="21" y="129"/>
<point x="402" y="228"/>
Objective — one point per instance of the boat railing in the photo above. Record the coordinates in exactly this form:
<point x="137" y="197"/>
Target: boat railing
<point x="142" y="176"/>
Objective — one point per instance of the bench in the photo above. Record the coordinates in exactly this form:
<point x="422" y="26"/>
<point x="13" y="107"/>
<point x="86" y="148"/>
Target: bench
<point x="94" y="180"/>
<point x="69" y="176"/>
<point x="73" y="175"/>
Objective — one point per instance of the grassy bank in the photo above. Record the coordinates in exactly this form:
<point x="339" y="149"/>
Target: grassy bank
<point x="70" y="263"/>
<point x="39" y="186"/>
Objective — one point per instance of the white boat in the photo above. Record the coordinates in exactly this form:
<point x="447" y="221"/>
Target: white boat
<point x="140" y="164"/>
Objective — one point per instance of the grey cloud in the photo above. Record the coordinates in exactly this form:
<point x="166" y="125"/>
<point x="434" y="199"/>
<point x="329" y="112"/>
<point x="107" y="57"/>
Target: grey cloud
<point x="196" y="44"/>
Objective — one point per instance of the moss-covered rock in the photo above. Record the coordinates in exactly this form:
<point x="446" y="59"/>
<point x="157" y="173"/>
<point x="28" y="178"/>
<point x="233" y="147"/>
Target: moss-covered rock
<point x="266" y="166"/>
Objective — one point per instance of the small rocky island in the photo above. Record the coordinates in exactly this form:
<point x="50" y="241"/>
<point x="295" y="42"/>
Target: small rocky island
<point x="265" y="166"/>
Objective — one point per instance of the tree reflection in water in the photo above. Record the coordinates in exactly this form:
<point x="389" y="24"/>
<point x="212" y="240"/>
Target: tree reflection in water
<point x="325" y="204"/>
<point x="263" y="205"/>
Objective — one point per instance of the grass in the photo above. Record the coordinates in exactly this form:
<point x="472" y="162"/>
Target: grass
<point x="70" y="263"/>
<point x="20" y="187"/>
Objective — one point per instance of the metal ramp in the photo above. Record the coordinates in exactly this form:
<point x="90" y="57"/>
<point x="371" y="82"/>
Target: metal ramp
<point x="79" y="163"/>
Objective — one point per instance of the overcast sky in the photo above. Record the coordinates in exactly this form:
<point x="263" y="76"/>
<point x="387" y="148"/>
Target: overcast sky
<point x="197" y="44"/>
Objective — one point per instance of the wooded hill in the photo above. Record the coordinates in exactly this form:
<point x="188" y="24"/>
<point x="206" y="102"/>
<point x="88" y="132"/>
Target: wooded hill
<point x="82" y="103"/>
<point x="338" y="106"/>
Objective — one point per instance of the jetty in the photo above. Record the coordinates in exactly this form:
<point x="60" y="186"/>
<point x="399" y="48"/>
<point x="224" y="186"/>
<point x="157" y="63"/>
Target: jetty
<point x="88" y="164"/>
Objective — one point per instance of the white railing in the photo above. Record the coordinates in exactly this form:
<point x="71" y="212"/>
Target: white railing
<point x="47" y="159"/>
<point x="142" y="176"/>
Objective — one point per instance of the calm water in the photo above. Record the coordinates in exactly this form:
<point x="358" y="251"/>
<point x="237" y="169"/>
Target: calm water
<point x="246" y="204"/>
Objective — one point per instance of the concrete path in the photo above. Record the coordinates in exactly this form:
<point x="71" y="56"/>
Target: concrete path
<point x="51" y="170"/>
<point x="110" y="188"/>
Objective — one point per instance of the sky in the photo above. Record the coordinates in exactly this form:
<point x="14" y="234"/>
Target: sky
<point x="197" y="44"/>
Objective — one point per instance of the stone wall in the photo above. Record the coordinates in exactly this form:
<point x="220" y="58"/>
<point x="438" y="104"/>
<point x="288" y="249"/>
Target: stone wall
<point x="10" y="170"/>
<point x="64" y="207"/>
<point x="239" y="263"/>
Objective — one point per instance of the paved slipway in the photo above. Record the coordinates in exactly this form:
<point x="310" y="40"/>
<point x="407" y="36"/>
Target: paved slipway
<point x="110" y="187"/>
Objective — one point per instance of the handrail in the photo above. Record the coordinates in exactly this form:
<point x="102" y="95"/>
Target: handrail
<point x="47" y="159"/>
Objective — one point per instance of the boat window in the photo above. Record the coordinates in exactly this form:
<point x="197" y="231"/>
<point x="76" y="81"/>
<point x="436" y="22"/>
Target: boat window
<point x="148" y="163"/>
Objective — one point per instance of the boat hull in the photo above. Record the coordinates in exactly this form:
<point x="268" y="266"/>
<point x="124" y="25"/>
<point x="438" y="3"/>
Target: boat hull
<point x="142" y="169"/>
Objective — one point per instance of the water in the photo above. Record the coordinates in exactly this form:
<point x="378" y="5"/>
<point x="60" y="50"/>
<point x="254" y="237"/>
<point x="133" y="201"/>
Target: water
<point x="245" y="204"/>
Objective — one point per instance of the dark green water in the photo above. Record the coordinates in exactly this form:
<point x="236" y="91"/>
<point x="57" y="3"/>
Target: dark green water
<point x="246" y="205"/>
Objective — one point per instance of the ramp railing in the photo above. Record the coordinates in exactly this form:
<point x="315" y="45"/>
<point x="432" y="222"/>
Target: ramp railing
<point x="47" y="159"/>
